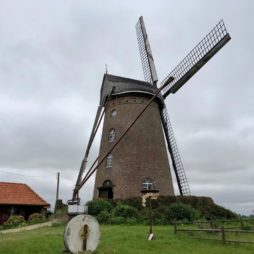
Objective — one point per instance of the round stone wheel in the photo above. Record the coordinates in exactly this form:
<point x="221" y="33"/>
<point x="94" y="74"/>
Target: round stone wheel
<point x="82" y="230"/>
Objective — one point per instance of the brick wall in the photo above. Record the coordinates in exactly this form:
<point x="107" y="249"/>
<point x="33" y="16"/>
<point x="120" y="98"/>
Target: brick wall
<point x="141" y="153"/>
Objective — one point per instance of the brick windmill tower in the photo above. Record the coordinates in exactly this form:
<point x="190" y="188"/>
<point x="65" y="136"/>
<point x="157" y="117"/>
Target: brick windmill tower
<point x="140" y="161"/>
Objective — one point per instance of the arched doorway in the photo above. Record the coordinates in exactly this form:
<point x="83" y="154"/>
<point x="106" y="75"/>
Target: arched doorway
<point x="106" y="190"/>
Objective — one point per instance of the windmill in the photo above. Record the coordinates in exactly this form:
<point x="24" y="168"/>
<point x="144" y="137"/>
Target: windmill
<point x="141" y="161"/>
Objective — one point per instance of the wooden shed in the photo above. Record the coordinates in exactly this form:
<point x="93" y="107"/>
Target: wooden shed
<point x="19" y="198"/>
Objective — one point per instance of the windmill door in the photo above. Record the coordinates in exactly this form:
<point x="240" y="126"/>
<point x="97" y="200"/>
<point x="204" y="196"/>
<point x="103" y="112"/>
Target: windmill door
<point x="106" y="191"/>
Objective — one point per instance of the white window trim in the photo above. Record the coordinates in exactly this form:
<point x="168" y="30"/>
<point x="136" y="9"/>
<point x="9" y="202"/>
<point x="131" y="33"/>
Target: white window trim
<point x="111" y="135"/>
<point x="147" y="184"/>
<point x="109" y="161"/>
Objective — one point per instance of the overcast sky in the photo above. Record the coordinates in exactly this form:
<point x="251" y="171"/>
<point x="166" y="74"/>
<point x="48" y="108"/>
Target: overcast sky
<point x="52" y="61"/>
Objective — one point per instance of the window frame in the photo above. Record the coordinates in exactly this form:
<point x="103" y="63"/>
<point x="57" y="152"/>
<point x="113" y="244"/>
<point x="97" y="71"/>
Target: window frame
<point x="147" y="184"/>
<point x="109" y="161"/>
<point x="111" y="135"/>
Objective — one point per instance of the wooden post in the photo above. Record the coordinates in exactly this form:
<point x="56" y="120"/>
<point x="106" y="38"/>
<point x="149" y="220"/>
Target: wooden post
<point x="57" y="186"/>
<point x="175" y="228"/>
<point x="241" y="223"/>
<point x="58" y="204"/>
<point x="150" y="216"/>
<point x="211" y="224"/>
<point x="223" y="238"/>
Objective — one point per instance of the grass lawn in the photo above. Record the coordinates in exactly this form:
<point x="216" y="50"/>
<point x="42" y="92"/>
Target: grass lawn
<point x="117" y="239"/>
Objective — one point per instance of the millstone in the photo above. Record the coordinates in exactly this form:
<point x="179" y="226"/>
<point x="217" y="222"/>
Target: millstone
<point x="82" y="233"/>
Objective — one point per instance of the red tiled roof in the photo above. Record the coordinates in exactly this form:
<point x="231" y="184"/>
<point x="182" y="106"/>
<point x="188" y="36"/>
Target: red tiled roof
<point x="19" y="194"/>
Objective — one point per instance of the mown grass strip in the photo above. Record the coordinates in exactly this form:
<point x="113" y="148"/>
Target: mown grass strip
<point x="120" y="239"/>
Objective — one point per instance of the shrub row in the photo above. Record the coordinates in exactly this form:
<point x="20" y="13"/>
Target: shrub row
<point x="120" y="213"/>
<point x="15" y="221"/>
<point x="205" y="205"/>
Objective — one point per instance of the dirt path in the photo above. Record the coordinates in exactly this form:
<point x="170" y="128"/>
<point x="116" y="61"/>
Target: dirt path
<point x="31" y="227"/>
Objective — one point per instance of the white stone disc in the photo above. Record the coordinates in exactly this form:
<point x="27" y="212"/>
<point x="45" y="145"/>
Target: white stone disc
<point x="72" y="235"/>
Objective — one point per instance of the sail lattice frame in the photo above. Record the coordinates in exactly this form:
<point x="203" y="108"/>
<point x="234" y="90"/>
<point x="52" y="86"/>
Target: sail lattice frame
<point x="177" y="163"/>
<point x="197" y="57"/>
<point x="145" y="51"/>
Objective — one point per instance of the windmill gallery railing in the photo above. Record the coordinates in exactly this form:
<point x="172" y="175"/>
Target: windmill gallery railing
<point x="230" y="231"/>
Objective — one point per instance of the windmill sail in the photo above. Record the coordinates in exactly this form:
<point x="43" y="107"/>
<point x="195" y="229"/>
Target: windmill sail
<point x="151" y="77"/>
<point x="146" y="53"/>
<point x="197" y="57"/>
<point x="174" y="154"/>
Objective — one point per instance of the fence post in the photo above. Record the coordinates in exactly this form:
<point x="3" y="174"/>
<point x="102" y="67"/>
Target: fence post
<point x="223" y="238"/>
<point x="211" y="224"/>
<point x="241" y="222"/>
<point x="175" y="228"/>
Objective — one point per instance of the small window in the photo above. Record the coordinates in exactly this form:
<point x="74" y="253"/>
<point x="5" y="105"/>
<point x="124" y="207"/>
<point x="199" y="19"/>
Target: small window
<point x="111" y="135"/>
<point x="109" y="161"/>
<point x="147" y="184"/>
<point x="113" y="113"/>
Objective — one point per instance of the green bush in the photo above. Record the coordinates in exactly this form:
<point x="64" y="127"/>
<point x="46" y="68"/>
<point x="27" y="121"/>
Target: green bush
<point x="104" y="217"/>
<point x="184" y="212"/>
<point x="247" y="226"/>
<point x="98" y="205"/>
<point x="35" y="218"/>
<point x="164" y="210"/>
<point x="14" y="221"/>
<point x="162" y="215"/>
<point x="219" y="212"/>
<point x="125" y="211"/>
<point x="131" y="221"/>
<point x="133" y="202"/>
<point x="117" y="220"/>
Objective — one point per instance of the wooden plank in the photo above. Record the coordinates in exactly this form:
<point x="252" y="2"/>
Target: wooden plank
<point x="216" y="230"/>
<point x="214" y="221"/>
<point x="239" y="231"/>
<point x="231" y="241"/>
<point x="200" y="230"/>
<point x="209" y="239"/>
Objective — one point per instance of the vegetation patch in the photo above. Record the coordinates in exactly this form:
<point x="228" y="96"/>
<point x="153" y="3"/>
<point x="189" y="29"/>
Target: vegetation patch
<point x="97" y="206"/>
<point x="14" y="221"/>
<point x="165" y="210"/>
<point x="36" y="218"/>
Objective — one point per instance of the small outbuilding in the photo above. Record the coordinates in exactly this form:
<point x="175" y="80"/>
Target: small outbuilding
<point x="20" y="199"/>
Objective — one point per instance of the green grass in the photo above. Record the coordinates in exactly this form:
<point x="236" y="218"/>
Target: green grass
<point x="117" y="239"/>
<point x="40" y="241"/>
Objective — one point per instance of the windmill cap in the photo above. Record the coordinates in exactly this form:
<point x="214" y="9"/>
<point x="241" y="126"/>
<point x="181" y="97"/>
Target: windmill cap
<point x="126" y="86"/>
